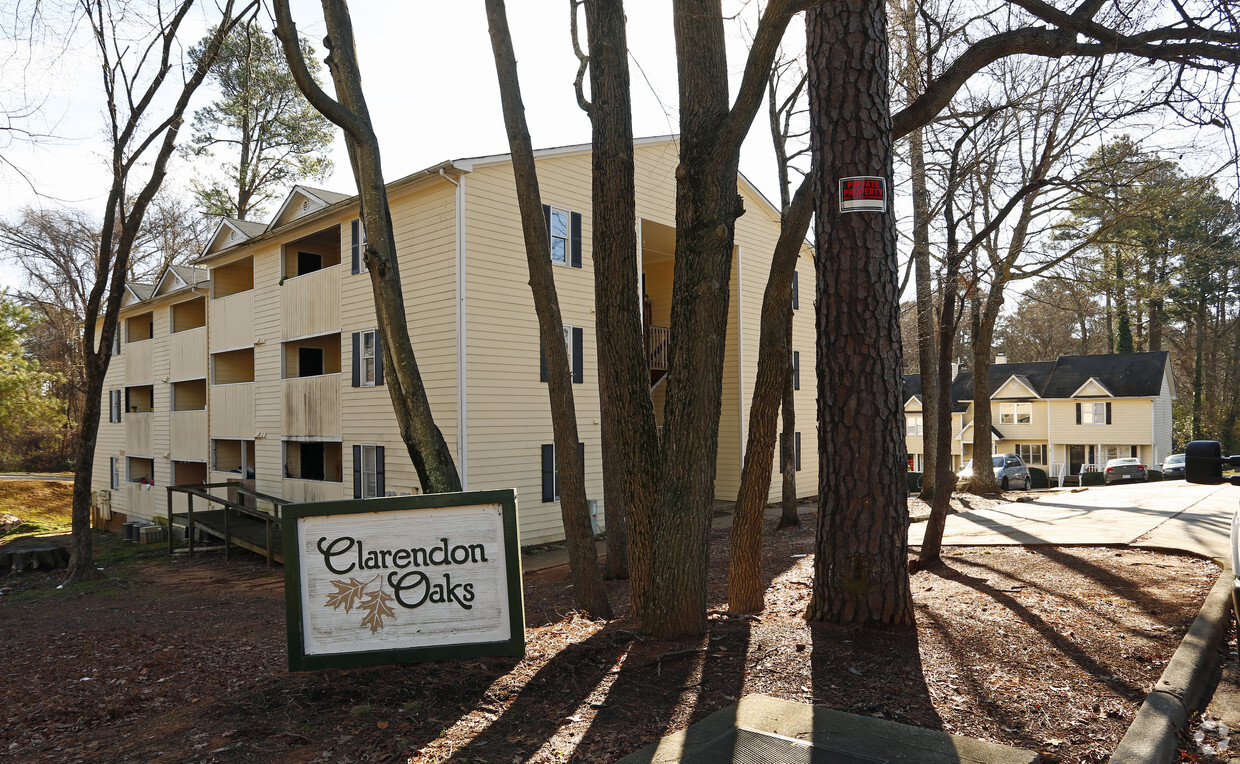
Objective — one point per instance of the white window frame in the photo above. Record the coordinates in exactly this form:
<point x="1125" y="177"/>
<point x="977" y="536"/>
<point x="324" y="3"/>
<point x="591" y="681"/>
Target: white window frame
<point x="370" y="478"/>
<point x="1094" y="413"/>
<point x="1011" y="413"/>
<point x="1026" y="452"/>
<point x="914" y="425"/>
<point x="369" y="364"/>
<point x="552" y="237"/>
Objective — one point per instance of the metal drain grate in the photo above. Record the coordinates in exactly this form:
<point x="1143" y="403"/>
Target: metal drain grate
<point x="743" y="746"/>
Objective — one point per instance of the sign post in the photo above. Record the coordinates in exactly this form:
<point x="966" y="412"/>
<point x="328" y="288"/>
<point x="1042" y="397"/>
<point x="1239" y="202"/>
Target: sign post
<point x="403" y="579"/>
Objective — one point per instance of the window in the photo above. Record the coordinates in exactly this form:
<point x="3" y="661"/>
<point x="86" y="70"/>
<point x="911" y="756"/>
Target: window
<point x="114" y="405"/>
<point x="914" y="425"/>
<point x="368" y="472"/>
<point x="312" y="460"/>
<point x="1015" y="413"/>
<point x="308" y="262"/>
<point x="1093" y="413"/>
<point x="551" y="472"/>
<point x="574" y="340"/>
<point x="358" y="234"/>
<point x="367" y="359"/>
<point x="116" y="342"/>
<point x="1032" y="453"/>
<point x="564" y="235"/>
<point x="796" y="370"/>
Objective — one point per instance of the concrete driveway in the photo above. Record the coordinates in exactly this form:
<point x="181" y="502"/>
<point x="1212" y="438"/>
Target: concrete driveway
<point x="1165" y="515"/>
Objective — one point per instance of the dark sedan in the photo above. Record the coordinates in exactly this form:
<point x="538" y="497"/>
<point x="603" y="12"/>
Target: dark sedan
<point x="1127" y="470"/>
<point x="1173" y="467"/>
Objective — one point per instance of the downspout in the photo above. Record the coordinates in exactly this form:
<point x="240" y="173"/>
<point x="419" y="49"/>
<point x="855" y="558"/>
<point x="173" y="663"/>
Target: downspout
<point x="462" y="414"/>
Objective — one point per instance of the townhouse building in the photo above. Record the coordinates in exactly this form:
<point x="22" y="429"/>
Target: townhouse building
<point x="1064" y="416"/>
<point x="260" y="364"/>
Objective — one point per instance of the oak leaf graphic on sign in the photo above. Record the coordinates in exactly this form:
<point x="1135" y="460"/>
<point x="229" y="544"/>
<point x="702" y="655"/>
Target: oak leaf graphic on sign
<point x="347" y="593"/>
<point x="376" y="607"/>
<point x="353" y="594"/>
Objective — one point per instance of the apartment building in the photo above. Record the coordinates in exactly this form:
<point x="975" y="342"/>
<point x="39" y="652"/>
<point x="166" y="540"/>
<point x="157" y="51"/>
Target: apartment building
<point x="261" y="364"/>
<point x="1064" y="416"/>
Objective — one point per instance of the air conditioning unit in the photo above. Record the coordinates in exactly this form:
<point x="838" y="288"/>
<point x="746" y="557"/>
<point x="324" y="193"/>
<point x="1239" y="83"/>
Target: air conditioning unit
<point x="152" y="534"/>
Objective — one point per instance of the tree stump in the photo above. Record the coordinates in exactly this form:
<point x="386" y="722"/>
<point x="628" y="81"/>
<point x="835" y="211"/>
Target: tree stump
<point x="27" y="558"/>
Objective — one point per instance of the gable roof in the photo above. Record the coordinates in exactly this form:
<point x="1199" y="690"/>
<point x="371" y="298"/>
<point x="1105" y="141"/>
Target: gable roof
<point x="1017" y="381"/>
<point x="1124" y="375"/>
<point x="179" y="277"/>
<point x="231" y="231"/>
<point x="303" y="200"/>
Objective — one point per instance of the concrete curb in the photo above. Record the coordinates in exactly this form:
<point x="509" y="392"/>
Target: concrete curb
<point x="1153" y="737"/>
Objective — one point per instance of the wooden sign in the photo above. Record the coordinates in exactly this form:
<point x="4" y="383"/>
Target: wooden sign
<point x="863" y="194"/>
<point x="403" y="579"/>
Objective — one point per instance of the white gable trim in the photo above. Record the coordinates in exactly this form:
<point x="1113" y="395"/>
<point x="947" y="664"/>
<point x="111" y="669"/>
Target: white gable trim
<point x="1092" y="380"/>
<point x="299" y="202"/>
<point x="226" y="235"/>
<point x="913" y="404"/>
<point x="1014" y="380"/>
<point x="177" y="283"/>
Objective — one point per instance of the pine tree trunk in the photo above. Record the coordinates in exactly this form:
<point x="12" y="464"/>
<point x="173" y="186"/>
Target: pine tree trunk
<point x="861" y="566"/>
<point x="81" y="552"/>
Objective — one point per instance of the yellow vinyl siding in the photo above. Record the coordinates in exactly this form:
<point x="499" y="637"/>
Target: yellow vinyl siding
<point x="188" y="433"/>
<point x="187" y="354"/>
<point x="138" y="369"/>
<point x="232" y="411"/>
<point x="508" y="408"/>
<point x="1131" y="423"/>
<point x="310" y="304"/>
<point x="231" y="321"/>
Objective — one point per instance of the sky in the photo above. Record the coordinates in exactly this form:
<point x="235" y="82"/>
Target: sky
<point x="430" y="83"/>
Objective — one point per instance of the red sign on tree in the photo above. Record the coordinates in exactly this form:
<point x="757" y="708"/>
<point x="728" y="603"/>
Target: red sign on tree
<point x="863" y="194"/>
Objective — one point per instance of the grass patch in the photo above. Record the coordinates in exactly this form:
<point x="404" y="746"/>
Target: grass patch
<point x="43" y="506"/>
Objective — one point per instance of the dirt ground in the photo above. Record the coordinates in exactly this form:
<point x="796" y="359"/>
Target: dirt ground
<point x="172" y="660"/>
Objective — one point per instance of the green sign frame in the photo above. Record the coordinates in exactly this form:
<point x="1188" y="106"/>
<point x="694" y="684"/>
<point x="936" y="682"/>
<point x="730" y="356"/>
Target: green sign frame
<point x="292" y="514"/>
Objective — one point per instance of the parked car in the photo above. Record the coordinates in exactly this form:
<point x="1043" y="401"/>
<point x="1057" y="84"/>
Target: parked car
<point x="1173" y="467"/>
<point x="1126" y="470"/>
<point x="1009" y="470"/>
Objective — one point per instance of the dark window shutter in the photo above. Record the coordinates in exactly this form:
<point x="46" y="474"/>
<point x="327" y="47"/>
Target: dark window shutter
<point x="378" y="360"/>
<point x="797" y="446"/>
<point x="548" y="472"/>
<point x="542" y="362"/>
<point x="112" y="471"/>
<point x="356" y="230"/>
<point x="795" y="289"/>
<point x="1108" y="412"/>
<point x="357" y="359"/>
<point x="357" y="472"/>
<point x="578" y="352"/>
<point x="581" y="451"/>
<point x="796" y="370"/>
<point x="380" y="483"/>
<point x="1078" y="413"/>
<point x="547" y="222"/>
<point x="126" y="399"/>
<point x="575" y="234"/>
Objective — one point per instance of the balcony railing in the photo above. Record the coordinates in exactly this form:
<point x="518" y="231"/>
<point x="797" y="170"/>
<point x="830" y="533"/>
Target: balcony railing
<point x="658" y="345"/>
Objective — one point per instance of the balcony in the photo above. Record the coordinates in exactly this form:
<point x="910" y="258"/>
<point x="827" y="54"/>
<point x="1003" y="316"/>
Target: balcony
<point x="139" y="431"/>
<point x="310" y="303"/>
<point x="138" y="367"/>
<point x="232" y="410"/>
<point x="188" y="354"/>
<point x="311" y="406"/>
<point x="189" y="435"/>
<point x="232" y="321"/>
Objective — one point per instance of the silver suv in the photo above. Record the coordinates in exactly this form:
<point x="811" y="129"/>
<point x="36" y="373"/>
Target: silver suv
<point x="1009" y="470"/>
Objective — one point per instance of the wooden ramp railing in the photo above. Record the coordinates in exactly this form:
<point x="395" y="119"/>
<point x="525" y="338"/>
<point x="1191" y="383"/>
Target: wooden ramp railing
<point x="252" y="528"/>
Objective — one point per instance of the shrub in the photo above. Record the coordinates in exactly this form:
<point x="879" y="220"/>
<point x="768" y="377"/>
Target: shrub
<point x="1092" y="478"/>
<point x="1038" y="478"/>
<point x="1153" y="476"/>
<point x="914" y="482"/>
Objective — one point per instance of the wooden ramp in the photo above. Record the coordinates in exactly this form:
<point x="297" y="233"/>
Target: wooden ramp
<point x="236" y="524"/>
